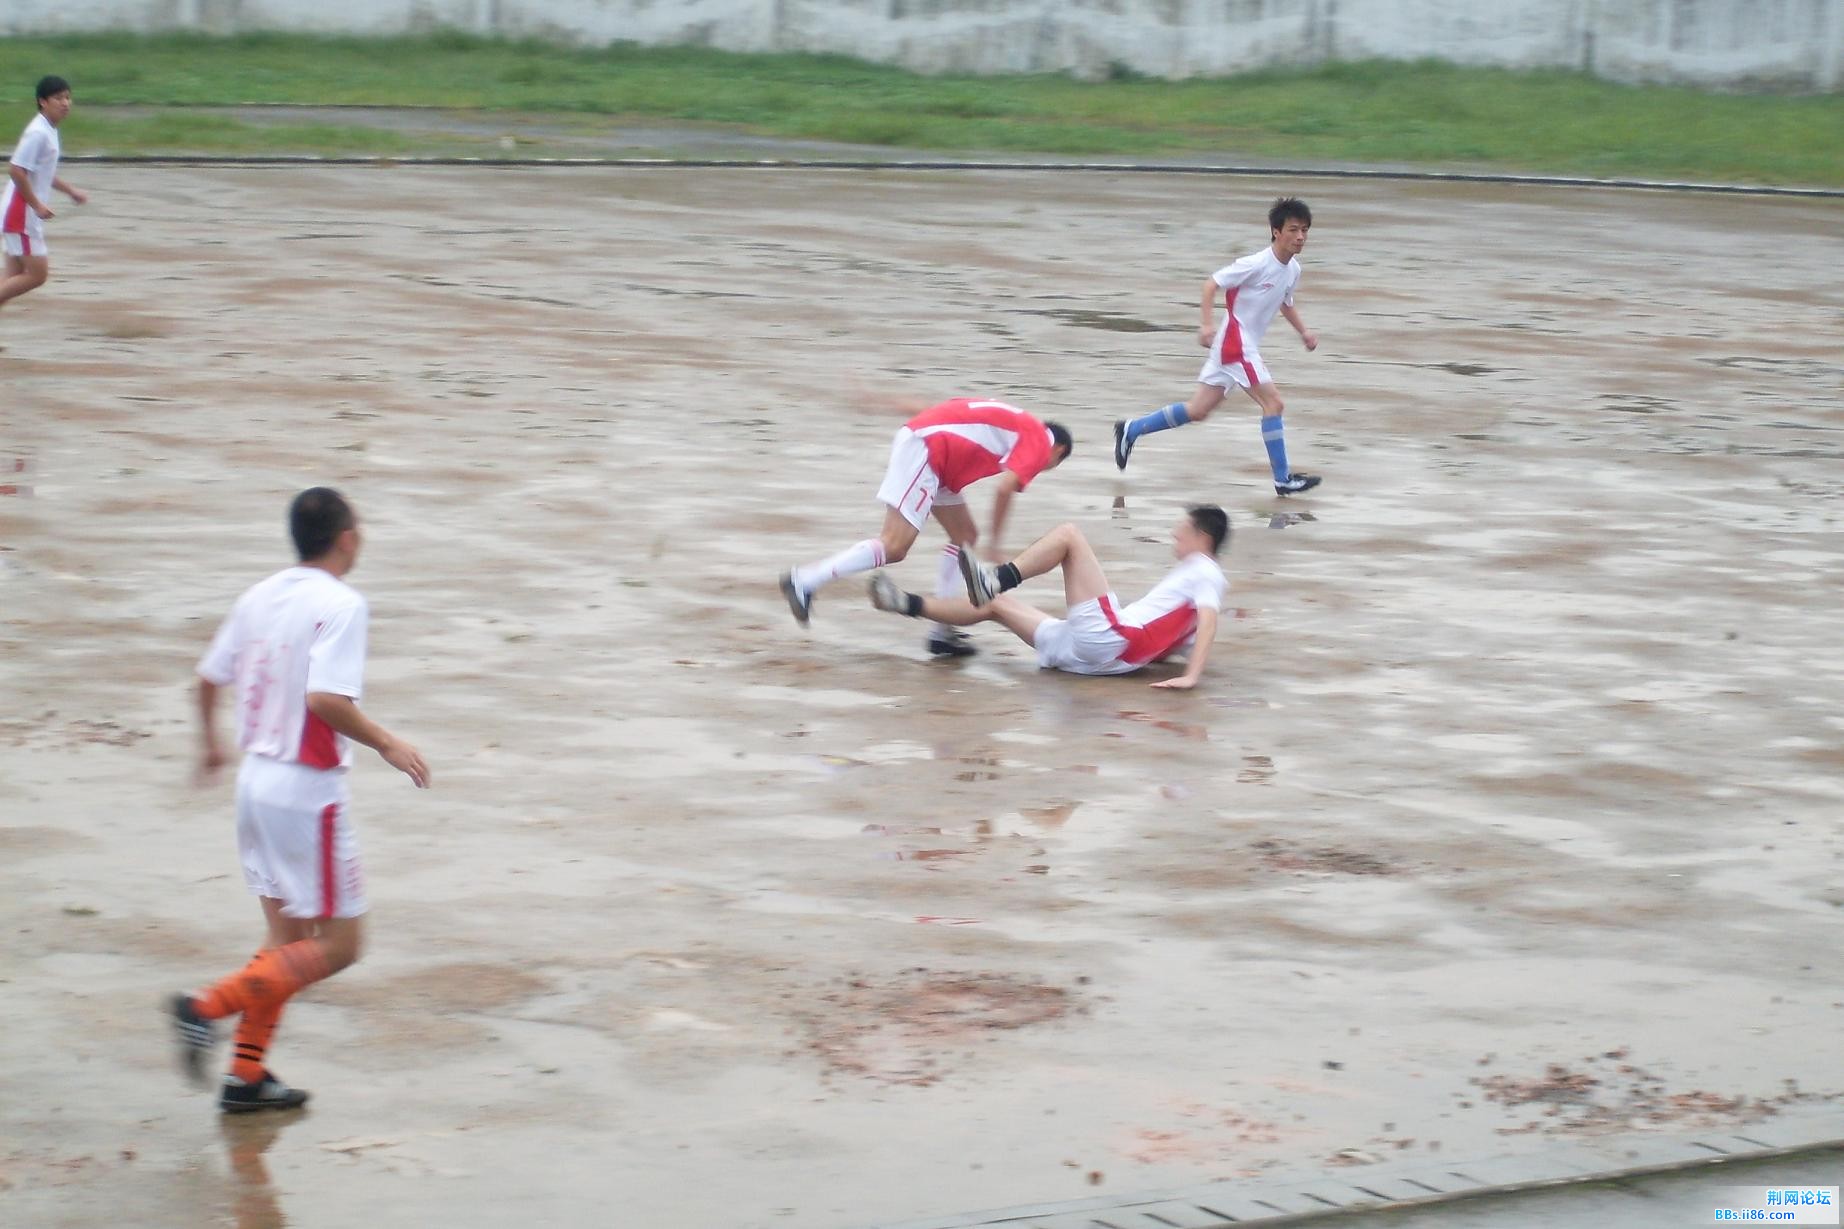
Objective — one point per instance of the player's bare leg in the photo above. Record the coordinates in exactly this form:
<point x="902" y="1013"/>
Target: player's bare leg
<point x="1017" y="617"/>
<point x="1286" y="482"/>
<point x="23" y="273"/>
<point x="891" y="545"/>
<point x="1063" y="547"/>
<point x="1128" y="431"/>
<point x="945" y="640"/>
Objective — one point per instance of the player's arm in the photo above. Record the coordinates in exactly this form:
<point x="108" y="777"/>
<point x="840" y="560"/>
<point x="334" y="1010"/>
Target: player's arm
<point x="1008" y="486"/>
<point x="22" y="184"/>
<point x="349" y="719"/>
<point x="1292" y="314"/>
<point x="1200" y="653"/>
<point x="75" y="193"/>
<point x="1207" y="312"/>
<point x="211" y="750"/>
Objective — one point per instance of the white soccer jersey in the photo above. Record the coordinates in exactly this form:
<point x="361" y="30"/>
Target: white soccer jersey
<point x="1165" y="620"/>
<point x="301" y="630"/>
<point x="1255" y="288"/>
<point x="37" y="152"/>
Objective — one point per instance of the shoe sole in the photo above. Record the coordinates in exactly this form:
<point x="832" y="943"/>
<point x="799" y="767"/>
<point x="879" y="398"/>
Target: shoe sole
<point x="970" y="573"/>
<point x="801" y="611"/>
<point x="1122" y="449"/>
<point x="951" y="648"/>
<point x="256" y="1107"/>
<point x="1298" y="490"/>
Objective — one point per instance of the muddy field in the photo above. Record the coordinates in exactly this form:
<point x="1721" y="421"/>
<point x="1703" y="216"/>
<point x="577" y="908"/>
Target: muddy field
<point x="1509" y="810"/>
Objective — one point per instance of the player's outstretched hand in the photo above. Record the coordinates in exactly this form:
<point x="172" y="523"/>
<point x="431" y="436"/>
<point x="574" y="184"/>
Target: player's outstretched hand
<point x="43" y="211"/>
<point x="1205" y="337"/>
<point x="409" y="761"/>
<point x="1181" y="683"/>
<point x="1311" y="339"/>
<point x="80" y="196"/>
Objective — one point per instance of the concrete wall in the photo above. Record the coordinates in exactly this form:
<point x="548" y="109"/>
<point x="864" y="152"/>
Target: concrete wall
<point x="1796" y="44"/>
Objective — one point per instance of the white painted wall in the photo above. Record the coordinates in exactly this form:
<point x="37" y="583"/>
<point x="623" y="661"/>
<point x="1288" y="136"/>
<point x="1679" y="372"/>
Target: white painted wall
<point x="1795" y="44"/>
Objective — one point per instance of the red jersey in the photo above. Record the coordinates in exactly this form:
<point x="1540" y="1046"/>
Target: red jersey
<point x="968" y="440"/>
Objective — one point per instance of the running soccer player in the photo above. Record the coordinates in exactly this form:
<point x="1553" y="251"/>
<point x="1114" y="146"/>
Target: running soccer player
<point x="1097" y="635"/>
<point x="934" y="457"/>
<point x="31" y="176"/>
<point x="1253" y="289"/>
<point x="293" y="648"/>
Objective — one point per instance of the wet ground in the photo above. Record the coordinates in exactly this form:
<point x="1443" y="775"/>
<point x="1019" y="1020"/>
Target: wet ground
<point x="1509" y="812"/>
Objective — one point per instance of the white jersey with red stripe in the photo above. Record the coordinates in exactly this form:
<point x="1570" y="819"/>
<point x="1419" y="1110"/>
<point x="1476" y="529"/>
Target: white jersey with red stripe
<point x="37" y="154"/>
<point x="969" y="439"/>
<point x="1255" y="288"/>
<point x="302" y="630"/>
<point x="1165" y="620"/>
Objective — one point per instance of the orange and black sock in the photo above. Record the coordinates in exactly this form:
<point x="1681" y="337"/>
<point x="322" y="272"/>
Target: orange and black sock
<point x="251" y="1048"/>
<point x="272" y="977"/>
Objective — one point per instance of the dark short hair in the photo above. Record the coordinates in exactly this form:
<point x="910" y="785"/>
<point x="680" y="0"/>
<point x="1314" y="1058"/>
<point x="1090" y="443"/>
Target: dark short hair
<point x="1288" y="208"/>
<point x="1060" y="437"/>
<point x="47" y="86"/>
<point x="1212" y="521"/>
<point x="316" y="519"/>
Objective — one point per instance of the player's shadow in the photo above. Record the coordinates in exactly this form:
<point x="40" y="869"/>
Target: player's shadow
<point x="254" y="1201"/>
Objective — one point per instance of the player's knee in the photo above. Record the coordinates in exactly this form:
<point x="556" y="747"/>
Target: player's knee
<point x="1274" y="408"/>
<point x="1198" y="413"/>
<point x="895" y="552"/>
<point x="37" y="276"/>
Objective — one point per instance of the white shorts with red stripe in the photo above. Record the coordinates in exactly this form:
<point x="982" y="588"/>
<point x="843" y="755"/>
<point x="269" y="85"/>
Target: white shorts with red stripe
<point x="29" y="242"/>
<point x="1244" y="372"/>
<point x="1083" y="641"/>
<point x="910" y="484"/>
<point x="295" y="837"/>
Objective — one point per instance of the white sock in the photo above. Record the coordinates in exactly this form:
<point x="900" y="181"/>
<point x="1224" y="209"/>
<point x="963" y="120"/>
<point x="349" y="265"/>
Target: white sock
<point x="862" y="557"/>
<point x="947" y="584"/>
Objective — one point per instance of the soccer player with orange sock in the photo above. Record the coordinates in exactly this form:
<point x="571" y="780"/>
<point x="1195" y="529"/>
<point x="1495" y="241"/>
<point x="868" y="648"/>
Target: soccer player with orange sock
<point x="293" y="650"/>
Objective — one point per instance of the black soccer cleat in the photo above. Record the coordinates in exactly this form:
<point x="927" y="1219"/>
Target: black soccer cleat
<point x="952" y="643"/>
<point x="196" y="1038"/>
<point x="1123" y="444"/>
<point x="268" y="1093"/>
<point x="800" y="603"/>
<point x="1296" y="483"/>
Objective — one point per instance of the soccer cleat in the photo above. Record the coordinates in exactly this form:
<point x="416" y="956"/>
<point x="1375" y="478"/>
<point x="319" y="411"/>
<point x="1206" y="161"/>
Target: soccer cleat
<point x="1296" y="483"/>
<point x="886" y="596"/>
<point x="1123" y="444"/>
<point x="800" y="603"/>
<point x="268" y="1093"/>
<point x="982" y="583"/>
<point x="196" y="1038"/>
<point x="951" y="643"/>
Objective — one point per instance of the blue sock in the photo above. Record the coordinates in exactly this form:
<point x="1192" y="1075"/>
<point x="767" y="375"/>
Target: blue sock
<point x="1163" y="419"/>
<point x="1277" y="447"/>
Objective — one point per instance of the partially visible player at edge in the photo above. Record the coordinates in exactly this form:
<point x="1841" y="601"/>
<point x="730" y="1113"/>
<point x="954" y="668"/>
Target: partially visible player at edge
<point x="1253" y="289"/>
<point x="934" y="457"/>
<point x="1096" y="635"/>
<point x="31" y="175"/>
<point x="293" y="648"/>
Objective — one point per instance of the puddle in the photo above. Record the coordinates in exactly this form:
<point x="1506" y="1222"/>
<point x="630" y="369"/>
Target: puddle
<point x="1256" y="770"/>
<point x="1285" y="855"/>
<point x="1280" y="520"/>
<point x="1112" y="322"/>
<point x="1182" y="728"/>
